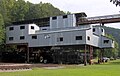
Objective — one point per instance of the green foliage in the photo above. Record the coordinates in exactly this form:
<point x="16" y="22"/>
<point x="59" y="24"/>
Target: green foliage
<point x="112" y="52"/>
<point x="16" y="10"/>
<point x="42" y="10"/>
<point x="19" y="10"/>
<point x="5" y="9"/>
<point x="2" y="31"/>
<point x="115" y="35"/>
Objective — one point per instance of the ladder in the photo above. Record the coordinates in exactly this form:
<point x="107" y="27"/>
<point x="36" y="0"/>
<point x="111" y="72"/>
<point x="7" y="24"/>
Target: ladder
<point x="99" y="19"/>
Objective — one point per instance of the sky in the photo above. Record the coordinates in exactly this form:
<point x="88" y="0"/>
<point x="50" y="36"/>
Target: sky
<point x="90" y="7"/>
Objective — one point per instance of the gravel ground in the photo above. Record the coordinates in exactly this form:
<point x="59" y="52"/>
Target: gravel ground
<point x="13" y="67"/>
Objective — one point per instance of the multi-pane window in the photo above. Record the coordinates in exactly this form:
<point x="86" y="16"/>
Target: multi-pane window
<point x="34" y="37"/>
<point x="22" y="27"/>
<point x="78" y="38"/>
<point x="61" y="38"/>
<point x="11" y="38"/>
<point x="22" y="37"/>
<point x="11" y="28"/>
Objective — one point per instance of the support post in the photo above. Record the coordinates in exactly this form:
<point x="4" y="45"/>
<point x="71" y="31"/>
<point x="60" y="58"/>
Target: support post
<point x="85" y="58"/>
<point x="91" y="54"/>
<point x="27" y="54"/>
<point x="101" y="55"/>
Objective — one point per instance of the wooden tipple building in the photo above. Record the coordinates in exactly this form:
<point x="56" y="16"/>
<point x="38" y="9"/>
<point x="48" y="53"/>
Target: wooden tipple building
<point x="58" y="39"/>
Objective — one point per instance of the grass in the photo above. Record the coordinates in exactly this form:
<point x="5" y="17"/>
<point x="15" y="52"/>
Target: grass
<point x="108" y="69"/>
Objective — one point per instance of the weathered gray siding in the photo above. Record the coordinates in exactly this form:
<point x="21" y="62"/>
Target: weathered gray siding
<point x="68" y="38"/>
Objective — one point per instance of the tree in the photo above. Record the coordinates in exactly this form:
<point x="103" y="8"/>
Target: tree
<point x="1" y="28"/>
<point x="42" y="10"/>
<point x="114" y="51"/>
<point x="34" y="11"/>
<point x="19" y="10"/>
<point x="2" y="32"/>
<point x="116" y="2"/>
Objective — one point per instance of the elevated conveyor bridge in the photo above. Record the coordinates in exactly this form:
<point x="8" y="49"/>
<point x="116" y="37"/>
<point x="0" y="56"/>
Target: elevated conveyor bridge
<point x="99" y="20"/>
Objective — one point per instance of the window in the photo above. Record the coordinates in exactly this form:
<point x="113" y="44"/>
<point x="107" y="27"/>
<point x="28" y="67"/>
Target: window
<point x="59" y="39"/>
<point x="106" y="41"/>
<point x="78" y="38"/>
<point x="44" y="29"/>
<point x="65" y="16"/>
<point x="11" y="28"/>
<point x="47" y="36"/>
<point x="22" y="27"/>
<point x="32" y="27"/>
<point x="93" y="29"/>
<point x="22" y="37"/>
<point x="102" y="30"/>
<point x="11" y="38"/>
<point x="34" y="37"/>
<point x="88" y="38"/>
<point x="54" y="18"/>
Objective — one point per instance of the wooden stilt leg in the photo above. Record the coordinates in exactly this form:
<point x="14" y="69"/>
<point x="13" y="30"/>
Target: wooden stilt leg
<point x="85" y="58"/>
<point x="91" y="54"/>
<point x="27" y="54"/>
<point x="101" y="55"/>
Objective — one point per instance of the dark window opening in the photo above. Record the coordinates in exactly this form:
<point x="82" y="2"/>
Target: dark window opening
<point x="32" y="27"/>
<point x="88" y="38"/>
<point x="102" y="30"/>
<point x="78" y="37"/>
<point x="22" y="37"/>
<point x="54" y="18"/>
<point x="106" y="41"/>
<point x="93" y="29"/>
<point x="65" y="16"/>
<point x="11" y="28"/>
<point x="22" y="27"/>
<point x="34" y="37"/>
<point x="44" y="29"/>
<point x="59" y="39"/>
<point x="11" y="38"/>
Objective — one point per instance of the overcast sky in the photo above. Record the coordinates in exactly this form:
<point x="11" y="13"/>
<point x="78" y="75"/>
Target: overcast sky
<point x="90" y="7"/>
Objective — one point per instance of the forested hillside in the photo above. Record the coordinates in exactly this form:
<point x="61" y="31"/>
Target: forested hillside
<point x="115" y="33"/>
<point x="16" y="10"/>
